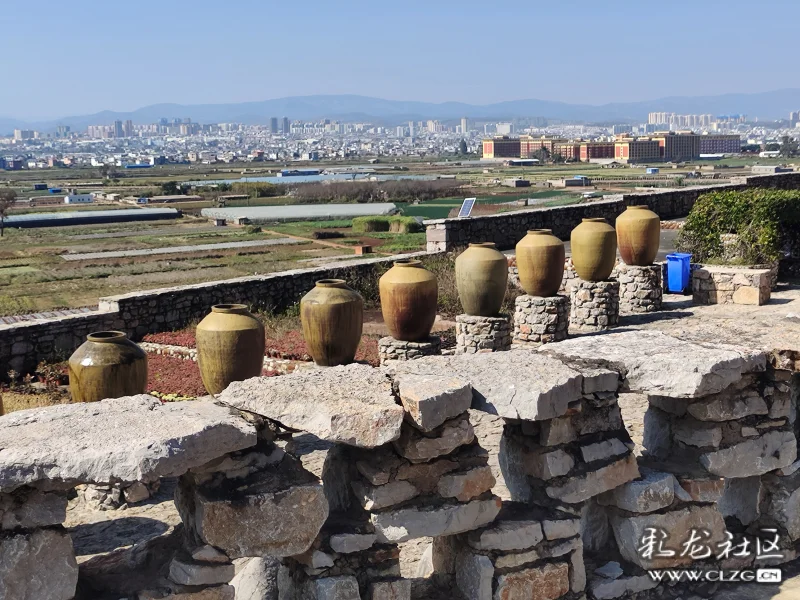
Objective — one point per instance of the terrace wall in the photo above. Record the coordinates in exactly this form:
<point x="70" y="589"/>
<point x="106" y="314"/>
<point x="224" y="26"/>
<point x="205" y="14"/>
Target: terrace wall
<point x="24" y="345"/>
<point x="507" y="229"/>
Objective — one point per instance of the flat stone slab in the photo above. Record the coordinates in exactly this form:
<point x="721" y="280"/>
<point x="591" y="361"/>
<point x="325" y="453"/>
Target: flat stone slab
<point x="351" y="404"/>
<point x="518" y="384"/>
<point x="135" y="438"/>
<point x="658" y="364"/>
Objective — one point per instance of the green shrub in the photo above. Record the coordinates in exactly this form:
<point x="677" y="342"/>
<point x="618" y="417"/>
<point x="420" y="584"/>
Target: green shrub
<point x="405" y="225"/>
<point x="766" y="221"/>
<point x="370" y="224"/>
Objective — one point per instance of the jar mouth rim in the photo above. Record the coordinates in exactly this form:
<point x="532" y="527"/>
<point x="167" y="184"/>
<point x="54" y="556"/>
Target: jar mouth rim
<point x="483" y="245"/>
<point x="408" y="262"/>
<point x="330" y="283"/>
<point x="229" y="308"/>
<point x="540" y="231"/>
<point x="594" y="220"/>
<point x="638" y="206"/>
<point x="106" y="337"/>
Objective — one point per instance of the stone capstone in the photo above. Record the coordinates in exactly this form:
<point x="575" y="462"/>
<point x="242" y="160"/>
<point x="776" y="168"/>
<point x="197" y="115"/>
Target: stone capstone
<point x="37" y="566"/>
<point x="518" y="384"/>
<point x="658" y="364"/>
<point x="351" y="404"/>
<point x="136" y="438"/>
<point x="404" y="524"/>
<point x="430" y="400"/>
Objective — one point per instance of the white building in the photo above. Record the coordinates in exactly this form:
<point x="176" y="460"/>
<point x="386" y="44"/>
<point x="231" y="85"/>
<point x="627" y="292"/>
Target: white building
<point x="79" y="199"/>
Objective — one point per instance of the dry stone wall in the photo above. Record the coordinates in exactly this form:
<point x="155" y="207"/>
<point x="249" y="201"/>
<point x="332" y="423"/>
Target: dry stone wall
<point x="713" y="284"/>
<point x="507" y="229"/>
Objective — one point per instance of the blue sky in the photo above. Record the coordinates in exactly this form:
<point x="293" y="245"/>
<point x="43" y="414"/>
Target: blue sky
<point x="66" y="58"/>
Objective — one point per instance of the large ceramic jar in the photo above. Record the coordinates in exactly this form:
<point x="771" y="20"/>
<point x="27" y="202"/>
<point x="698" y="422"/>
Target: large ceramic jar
<point x="638" y="233"/>
<point x="481" y="279"/>
<point x="333" y="317"/>
<point x="540" y="261"/>
<point x="107" y="365"/>
<point x="409" y="293"/>
<point x="230" y="346"/>
<point x="594" y="249"/>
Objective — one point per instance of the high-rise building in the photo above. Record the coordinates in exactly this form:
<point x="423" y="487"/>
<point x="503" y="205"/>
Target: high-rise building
<point x="501" y="147"/>
<point x="118" y="133"/>
<point x="464" y="125"/>
<point x="504" y="128"/>
<point x="400" y="131"/>
<point x="23" y="134"/>
<point x="127" y="129"/>
<point x="63" y="130"/>
<point x="273" y="125"/>
<point x="794" y="117"/>
<point x="411" y="129"/>
<point x="286" y="127"/>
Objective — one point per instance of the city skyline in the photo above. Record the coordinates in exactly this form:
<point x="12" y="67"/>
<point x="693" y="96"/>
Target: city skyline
<point x="434" y="52"/>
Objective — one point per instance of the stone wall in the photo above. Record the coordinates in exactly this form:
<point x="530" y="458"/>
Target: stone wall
<point x="24" y="345"/>
<point x="712" y="284"/>
<point x="506" y="229"/>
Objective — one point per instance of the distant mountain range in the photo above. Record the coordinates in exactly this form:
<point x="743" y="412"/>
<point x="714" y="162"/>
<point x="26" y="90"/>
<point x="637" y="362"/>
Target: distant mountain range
<point x="765" y="105"/>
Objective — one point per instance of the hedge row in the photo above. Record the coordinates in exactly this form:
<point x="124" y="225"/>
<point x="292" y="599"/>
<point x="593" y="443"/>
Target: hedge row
<point x="395" y="224"/>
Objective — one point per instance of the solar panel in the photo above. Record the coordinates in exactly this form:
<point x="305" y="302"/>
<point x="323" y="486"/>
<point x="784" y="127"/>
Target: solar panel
<point x="466" y="207"/>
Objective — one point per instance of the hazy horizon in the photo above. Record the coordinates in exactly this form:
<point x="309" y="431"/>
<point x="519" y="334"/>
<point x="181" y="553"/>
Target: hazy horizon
<point x="120" y="57"/>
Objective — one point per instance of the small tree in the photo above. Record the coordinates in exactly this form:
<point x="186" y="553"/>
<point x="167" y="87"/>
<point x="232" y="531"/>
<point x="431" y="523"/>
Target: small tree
<point x="462" y="147"/>
<point x="7" y="197"/>
<point x="788" y="147"/>
<point x="170" y="188"/>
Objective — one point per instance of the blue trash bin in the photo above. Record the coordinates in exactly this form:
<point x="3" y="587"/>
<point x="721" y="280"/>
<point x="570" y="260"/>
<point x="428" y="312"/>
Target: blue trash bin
<point x="679" y="272"/>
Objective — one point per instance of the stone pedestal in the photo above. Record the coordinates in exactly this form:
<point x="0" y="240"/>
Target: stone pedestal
<point x="594" y="305"/>
<point x="392" y="349"/>
<point x="640" y="288"/>
<point x="482" y="334"/>
<point x="540" y="320"/>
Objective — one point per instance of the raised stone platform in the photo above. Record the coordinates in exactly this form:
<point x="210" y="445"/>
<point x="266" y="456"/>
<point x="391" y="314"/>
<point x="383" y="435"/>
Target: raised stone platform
<point x="640" y="288"/>
<point x="540" y="320"/>
<point x="594" y="305"/>
<point x="392" y="349"/>
<point x="730" y="285"/>
<point x="482" y="334"/>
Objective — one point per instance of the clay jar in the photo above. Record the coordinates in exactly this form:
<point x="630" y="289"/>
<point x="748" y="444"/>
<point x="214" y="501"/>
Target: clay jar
<point x="333" y="317"/>
<point x="638" y="233"/>
<point x="540" y="262"/>
<point x="481" y="279"/>
<point x="409" y="293"/>
<point x="107" y="365"/>
<point x="230" y="346"/>
<point x="594" y="249"/>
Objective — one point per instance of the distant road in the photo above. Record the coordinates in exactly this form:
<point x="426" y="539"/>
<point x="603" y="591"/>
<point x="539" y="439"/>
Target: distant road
<point x="181" y="249"/>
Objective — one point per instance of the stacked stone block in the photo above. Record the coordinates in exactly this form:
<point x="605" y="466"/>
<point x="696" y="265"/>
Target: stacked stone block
<point x="540" y="320"/>
<point x="731" y="285"/>
<point x="594" y="305"/>
<point x="640" y="288"/>
<point x="482" y="334"/>
<point x="392" y="349"/>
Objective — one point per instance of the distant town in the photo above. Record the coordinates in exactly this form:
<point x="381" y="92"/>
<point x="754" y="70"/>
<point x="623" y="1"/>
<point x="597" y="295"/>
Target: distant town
<point x="129" y="145"/>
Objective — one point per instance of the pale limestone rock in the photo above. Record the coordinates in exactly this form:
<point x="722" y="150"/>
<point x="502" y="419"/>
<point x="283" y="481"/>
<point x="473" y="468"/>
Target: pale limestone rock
<point x="558" y="431"/>
<point x="517" y="384"/>
<point x="350" y="404"/>
<point x="129" y="439"/>
<point x="606" y="589"/>
<point x="415" y="522"/>
<point x="603" y="450"/>
<point x="658" y="364"/>
<point x="136" y="492"/>
<point x="547" y="582"/>
<point x="561" y="528"/>
<point x="347" y="543"/>
<point x="466" y="485"/>
<point x="741" y="499"/>
<point x="513" y="561"/>
<point x="417" y="448"/>
<point x="382" y="496"/>
<point x="474" y="574"/>
<point x="582" y="487"/>
<point x="652" y="492"/>
<point x="28" y="509"/>
<point x="328" y="462"/>
<point x="701" y="489"/>
<point x="37" y="566"/>
<point x="547" y="465"/>
<point x="507" y="536"/>
<point x="257" y="579"/>
<point x="431" y="400"/>
<point x="629" y="532"/>
<point x="697" y="434"/>
<point x="728" y="406"/>
<point x="399" y="589"/>
<point x="773" y="450"/>
<point x="577" y="570"/>
<point x="188" y="572"/>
